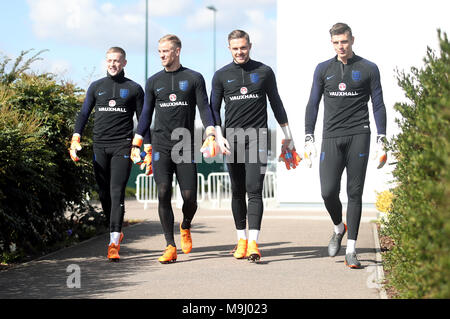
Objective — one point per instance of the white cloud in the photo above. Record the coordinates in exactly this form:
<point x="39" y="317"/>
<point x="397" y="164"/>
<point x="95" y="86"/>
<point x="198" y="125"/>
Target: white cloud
<point x="60" y="67"/>
<point x="229" y="14"/>
<point x="262" y="33"/>
<point x="201" y="19"/>
<point x="166" y="8"/>
<point x="88" y="22"/>
<point x="249" y="15"/>
<point x="95" y="25"/>
<point x="43" y="64"/>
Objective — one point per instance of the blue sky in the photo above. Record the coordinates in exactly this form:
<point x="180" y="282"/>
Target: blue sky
<point x="78" y="32"/>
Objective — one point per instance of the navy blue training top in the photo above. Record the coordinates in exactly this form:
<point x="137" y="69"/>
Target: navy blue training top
<point x="346" y="89"/>
<point x="116" y="99"/>
<point x="245" y="88"/>
<point x="173" y="96"/>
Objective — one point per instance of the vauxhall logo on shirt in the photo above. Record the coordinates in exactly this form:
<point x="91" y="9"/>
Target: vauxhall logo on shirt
<point x="112" y="107"/>
<point x="356" y="77"/>
<point x="244" y="95"/>
<point x="173" y="102"/>
<point x="343" y="91"/>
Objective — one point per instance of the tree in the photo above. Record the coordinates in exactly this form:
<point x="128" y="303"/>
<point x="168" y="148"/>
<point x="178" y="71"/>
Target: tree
<point x="18" y="68"/>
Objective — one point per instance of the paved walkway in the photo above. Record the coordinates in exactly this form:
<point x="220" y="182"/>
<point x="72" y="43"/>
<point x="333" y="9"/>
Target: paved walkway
<point x="294" y="263"/>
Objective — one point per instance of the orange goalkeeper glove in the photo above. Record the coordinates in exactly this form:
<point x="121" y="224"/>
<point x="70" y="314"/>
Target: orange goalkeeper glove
<point x="74" y="147"/>
<point x="135" y="154"/>
<point x="210" y="148"/>
<point x="144" y="159"/>
<point x="289" y="155"/>
<point x="147" y="161"/>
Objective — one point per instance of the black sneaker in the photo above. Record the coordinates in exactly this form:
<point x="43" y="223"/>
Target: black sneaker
<point x="335" y="243"/>
<point x="351" y="260"/>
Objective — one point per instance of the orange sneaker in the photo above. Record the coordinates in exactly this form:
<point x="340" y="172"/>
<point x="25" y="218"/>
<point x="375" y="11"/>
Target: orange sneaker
<point x="170" y="255"/>
<point x="253" y="253"/>
<point x="241" y="249"/>
<point x="186" y="240"/>
<point x="113" y="250"/>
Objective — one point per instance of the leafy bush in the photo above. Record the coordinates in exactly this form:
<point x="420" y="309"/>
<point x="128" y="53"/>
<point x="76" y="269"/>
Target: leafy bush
<point x="42" y="192"/>
<point x="419" y="222"/>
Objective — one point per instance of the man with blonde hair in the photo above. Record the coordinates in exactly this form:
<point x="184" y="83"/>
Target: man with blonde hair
<point x="173" y="94"/>
<point x="116" y="99"/>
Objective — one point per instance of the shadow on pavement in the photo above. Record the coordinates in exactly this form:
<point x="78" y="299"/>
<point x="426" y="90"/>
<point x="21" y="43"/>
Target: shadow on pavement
<point x="48" y="276"/>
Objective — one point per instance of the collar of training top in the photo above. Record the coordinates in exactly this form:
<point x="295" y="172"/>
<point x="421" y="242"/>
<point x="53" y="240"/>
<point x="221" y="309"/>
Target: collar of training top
<point x="175" y="71"/>
<point x="353" y="59"/>
<point x="246" y="66"/>
<point x="119" y="76"/>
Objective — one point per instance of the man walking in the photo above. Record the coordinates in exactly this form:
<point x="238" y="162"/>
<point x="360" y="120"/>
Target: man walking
<point x="173" y="94"/>
<point x="346" y="81"/>
<point x="116" y="99"/>
<point x="244" y="85"/>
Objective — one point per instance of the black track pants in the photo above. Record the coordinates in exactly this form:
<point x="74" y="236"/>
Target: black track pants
<point x="247" y="178"/>
<point x="112" y="167"/>
<point x="349" y="152"/>
<point x="186" y="174"/>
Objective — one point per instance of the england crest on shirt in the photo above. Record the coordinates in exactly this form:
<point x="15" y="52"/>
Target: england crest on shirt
<point x="124" y="93"/>
<point x="356" y="75"/>
<point x="254" y="77"/>
<point x="183" y="85"/>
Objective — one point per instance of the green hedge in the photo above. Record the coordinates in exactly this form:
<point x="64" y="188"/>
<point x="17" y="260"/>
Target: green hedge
<point x="42" y="192"/>
<point x="419" y="263"/>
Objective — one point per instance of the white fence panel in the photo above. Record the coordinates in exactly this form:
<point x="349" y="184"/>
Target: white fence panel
<point x="270" y="191"/>
<point x="146" y="191"/>
<point x="219" y="188"/>
<point x="218" y="185"/>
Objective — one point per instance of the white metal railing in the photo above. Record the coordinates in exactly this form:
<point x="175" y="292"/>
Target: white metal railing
<point x="218" y="186"/>
<point x="146" y="191"/>
<point x="270" y="186"/>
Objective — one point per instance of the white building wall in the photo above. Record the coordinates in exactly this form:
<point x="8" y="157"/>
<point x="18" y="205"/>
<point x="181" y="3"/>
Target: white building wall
<point x="392" y="34"/>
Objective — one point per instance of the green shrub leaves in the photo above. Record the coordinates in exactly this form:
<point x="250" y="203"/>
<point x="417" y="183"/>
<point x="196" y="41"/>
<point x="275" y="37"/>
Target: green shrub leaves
<point x="41" y="189"/>
<point x="419" y="224"/>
